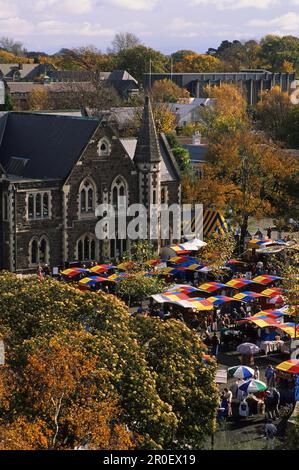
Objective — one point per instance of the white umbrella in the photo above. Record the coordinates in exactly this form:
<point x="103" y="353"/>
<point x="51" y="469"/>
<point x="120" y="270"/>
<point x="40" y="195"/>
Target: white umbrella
<point x="248" y="348"/>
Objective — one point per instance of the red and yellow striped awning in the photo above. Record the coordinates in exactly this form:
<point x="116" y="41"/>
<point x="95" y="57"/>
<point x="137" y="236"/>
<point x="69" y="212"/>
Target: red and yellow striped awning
<point x="291" y="366"/>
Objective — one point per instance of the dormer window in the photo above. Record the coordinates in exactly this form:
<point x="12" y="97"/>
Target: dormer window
<point x="104" y="147"/>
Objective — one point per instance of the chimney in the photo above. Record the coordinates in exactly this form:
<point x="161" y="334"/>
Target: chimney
<point x="196" y="138"/>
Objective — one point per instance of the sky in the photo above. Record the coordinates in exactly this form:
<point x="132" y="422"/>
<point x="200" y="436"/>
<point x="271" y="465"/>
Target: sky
<point x="165" y="25"/>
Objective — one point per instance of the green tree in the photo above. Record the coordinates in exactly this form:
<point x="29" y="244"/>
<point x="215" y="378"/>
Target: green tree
<point x="137" y="61"/>
<point x="138" y="287"/>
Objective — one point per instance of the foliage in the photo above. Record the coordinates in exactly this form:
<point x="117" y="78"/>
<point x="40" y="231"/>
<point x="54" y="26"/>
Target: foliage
<point x="165" y="120"/>
<point x="198" y="63"/>
<point x="166" y="91"/>
<point x="100" y="375"/>
<point x="181" y="154"/>
<point x="219" y="249"/>
<point x="175" y="354"/>
<point x="136" y="61"/>
<point x="138" y="287"/>
<point x="178" y="56"/>
<point x="140" y="252"/>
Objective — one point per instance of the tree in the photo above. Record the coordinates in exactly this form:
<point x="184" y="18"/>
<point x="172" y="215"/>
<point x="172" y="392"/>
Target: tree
<point x="276" y="51"/>
<point x="138" y="287"/>
<point x="198" y="63"/>
<point x="140" y="253"/>
<point x="217" y="252"/>
<point x="123" y="41"/>
<point x="88" y="58"/>
<point x="137" y="61"/>
<point x="10" y="45"/>
<point x="181" y="154"/>
<point x="175" y="354"/>
<point x="101" y="375"/>
<point x="273" y="111"/>
<point x="179" y="56"/>
<point x="39" y="98"/>
<point x="165" y="120"/>
<point x="166" y="91"/>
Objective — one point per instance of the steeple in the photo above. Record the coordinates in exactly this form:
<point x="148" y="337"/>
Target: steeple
<point x="147" y="149"/>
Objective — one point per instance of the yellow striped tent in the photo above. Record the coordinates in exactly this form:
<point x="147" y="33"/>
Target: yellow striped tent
<point x="209" y="223"/>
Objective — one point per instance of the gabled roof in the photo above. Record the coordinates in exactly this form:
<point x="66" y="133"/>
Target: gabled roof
<point x="51" y="144"/>
<point x="148" y="149"/>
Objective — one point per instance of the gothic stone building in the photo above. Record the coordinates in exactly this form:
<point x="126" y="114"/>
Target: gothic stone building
<point x="55" y="170"/>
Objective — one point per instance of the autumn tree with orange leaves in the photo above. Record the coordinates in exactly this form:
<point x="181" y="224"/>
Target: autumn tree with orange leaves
<point x="246" y="173"/>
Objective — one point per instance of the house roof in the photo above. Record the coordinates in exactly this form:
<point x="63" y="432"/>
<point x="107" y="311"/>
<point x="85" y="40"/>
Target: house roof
<point x="50" y="144"/>
<point x="198" y="153"/>
<point x="27" y="71"/>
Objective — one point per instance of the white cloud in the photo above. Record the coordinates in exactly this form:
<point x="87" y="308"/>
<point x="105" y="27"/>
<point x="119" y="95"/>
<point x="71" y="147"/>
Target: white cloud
<point x="7" y="9"/>
<point x="142" y="5"/>
<point x="237" y="4"/>
<point x="77" y="7"/>
<point x="286" y="23"/>
<point x="15" y="26"/>
<point x="180" y="24"/>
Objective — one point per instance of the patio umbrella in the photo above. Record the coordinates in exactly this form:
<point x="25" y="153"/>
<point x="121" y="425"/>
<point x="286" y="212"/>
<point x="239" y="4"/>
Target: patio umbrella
<point x="253" y="386"/>
<point x="248" y="348"/>
<point x="241" y="372"/>
<point x="291" y="366"/>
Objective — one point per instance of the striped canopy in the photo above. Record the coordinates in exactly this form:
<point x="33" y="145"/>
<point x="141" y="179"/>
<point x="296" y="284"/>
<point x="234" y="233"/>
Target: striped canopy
<point x="277" y="313"/>
<point x="172" y="271"/>
<point x="291" y="366"/>
<point x="117" y="277"/>
<point x="92" y="280"/>
<point x="72" y="272"/>
<point x="153" y="262"/>
<point x="289" y="328"/>
<point x="194" y="267"/>
<point x="200" y="304"/>
<point x="211" y="286"/>
<point x="234" y="262"/>
<point x="219" y="299"/>
<point x="247" y="296"/>
<point x="101" y="268"/>
<point x="266" y="279"/>
<point x="264" y="322"/>
<point x="275" y="291"/>
<point x="179" y="249"/>
<point x="239" y="283"/>
<point x="186" y="289"/>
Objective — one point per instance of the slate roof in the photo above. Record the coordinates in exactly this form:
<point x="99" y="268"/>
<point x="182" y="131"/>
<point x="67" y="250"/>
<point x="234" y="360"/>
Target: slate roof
<point x="148" y="149"/>
<point x="27" y="72"/>
<point x="51" y="144"/>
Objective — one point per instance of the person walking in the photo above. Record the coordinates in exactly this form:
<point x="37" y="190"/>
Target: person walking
<point x="215" y="344"/>
<point x="269" y="374"/>
<point x="256" y="375"/>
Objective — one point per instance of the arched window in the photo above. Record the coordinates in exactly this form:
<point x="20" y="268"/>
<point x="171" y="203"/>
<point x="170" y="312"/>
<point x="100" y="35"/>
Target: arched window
<point x="118" y="189"/>
<point x="87" y="197"/>
<point x="104" y="147"/>
<point x="39" y="251"/>
<point x="86" y="248"/>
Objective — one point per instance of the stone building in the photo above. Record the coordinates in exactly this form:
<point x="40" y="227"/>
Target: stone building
<point x="55" y="170"/>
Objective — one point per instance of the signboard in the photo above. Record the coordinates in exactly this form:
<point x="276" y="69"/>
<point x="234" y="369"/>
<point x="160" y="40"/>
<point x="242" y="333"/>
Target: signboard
<point x="221" y="376"/>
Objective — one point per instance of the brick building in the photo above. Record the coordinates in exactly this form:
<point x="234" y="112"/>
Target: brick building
<point x="56" y="169"/>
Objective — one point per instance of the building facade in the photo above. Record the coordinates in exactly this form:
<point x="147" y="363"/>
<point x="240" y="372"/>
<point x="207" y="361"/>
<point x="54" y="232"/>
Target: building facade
<point x="253" y="82"/>
<point x="55" y="171"/>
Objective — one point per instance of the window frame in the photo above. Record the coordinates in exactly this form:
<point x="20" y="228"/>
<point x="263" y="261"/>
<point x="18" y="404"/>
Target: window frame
<point x="35" y="194"/>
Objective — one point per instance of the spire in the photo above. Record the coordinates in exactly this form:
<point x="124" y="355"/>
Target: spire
<point x="147" y="149"/>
